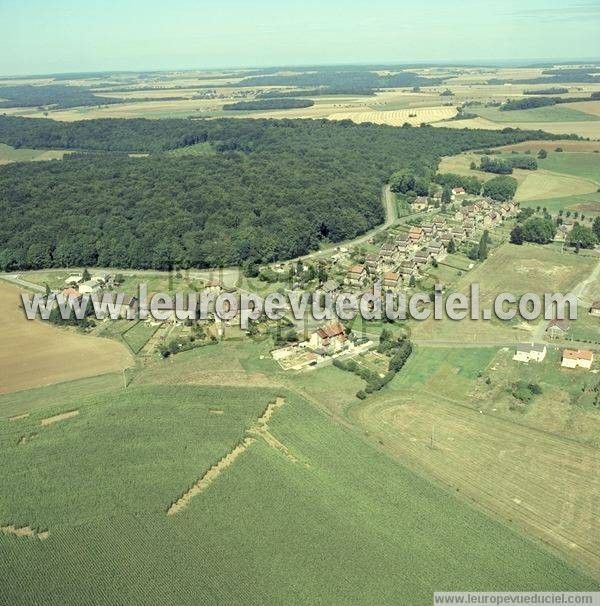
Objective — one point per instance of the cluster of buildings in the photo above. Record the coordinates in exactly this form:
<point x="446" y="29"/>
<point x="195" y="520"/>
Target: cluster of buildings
<point x="407" y="255"/>
<point x="570" y="358"/>
<point x="485" y="213"/>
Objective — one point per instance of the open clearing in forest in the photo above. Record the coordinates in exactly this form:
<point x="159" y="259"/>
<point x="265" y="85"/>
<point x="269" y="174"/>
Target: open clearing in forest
<point x="35" y="353"/>
<point x="9" y="154"/>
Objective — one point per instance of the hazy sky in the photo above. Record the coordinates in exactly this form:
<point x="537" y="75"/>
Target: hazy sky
<point x="87" y="35"/>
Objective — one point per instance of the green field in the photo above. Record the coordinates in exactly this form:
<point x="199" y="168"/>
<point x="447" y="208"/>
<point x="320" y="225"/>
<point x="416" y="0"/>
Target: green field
<point x="341" y="521"/>
<point x="580" y="164"/>
<point x="137" y="336"/>
<point x="589" y="204"/>
<point x="553" y="113"/>
<point x="10" y="154"/>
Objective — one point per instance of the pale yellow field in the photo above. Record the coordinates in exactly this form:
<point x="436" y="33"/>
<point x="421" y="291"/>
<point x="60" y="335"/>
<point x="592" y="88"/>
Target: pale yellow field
<point x="35" y="353"/>
<point x="589" y="107"/>
<point x="542" y="184"/>
<point x="399" y="117"/>
<point x="583" y="129"/>
<point x="566" y="144"/>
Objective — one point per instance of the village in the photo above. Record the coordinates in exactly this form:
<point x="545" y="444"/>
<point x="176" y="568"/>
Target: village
<point x="398" y="260"/>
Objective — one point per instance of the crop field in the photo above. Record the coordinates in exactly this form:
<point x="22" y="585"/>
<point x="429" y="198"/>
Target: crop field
<point x="398" y="117"/>
<point x="306" y="493"/>
<point x="589" y="204"/>
<point x="553" y="113"/>
<point x="541" y="184"/>
<point x="566" y="144"/>
<point x="584" y="165"/>
<point x="560" y="175"/>
<point x="55" y="354"/>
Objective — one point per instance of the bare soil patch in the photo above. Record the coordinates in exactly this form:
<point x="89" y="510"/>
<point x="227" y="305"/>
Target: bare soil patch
<point x="35" y="353"/>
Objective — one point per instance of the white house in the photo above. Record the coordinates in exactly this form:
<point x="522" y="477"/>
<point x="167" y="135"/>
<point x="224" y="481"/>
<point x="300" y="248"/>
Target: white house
<point x="74" y="279"/>
<point x="89" y="287"/>
<point x="577" y="358"/>
<point x="331" y="338"/>
<point x="530" y="352"/>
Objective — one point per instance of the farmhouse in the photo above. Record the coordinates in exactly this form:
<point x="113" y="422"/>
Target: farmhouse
<point x="595" y="308"/>
<point x="71" y="294"/>
<point x="558" y="328"/>
<point x="89" y="287"/>
<point x="356" y="274"/>
<point x="420" y="204"/>
<point x="330" y="286"/>
<point x="435" y="249"/>
<point x="429" y="229"/>
<point x="214" y="286"/>
<point x="457" y="191"/>
<point x="74" y="279"/>
<point x="102" y="277"/>
<point x="415" y="234"/>
<point x="530" y="352"/>
<point x="371" y="262"/>
<point x="392" y="279"/>
<point x="330" y="338"/>
<point x="577" y="358"/>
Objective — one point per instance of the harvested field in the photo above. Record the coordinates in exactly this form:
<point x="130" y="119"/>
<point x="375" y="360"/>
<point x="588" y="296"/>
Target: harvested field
<point x="540" y="482"/>
<point x="35" y="353"/>
<point x="60" y="417"/>
<point x="398" y="117"/>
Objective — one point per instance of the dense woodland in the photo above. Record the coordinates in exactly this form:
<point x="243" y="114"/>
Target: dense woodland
<point x="264" y="104"/>
<point x="57" y="96"/>
<point x="356" y="79"/>
<point x="273" y="189"/>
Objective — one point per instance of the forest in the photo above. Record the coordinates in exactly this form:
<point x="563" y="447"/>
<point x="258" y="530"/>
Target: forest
<point x="58" y="96"/>
<point x="273" y="189"/>
<point x="362" y="79"/>
<point x="264" y="104"/>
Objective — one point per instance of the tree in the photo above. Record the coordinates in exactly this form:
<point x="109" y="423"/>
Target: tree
<point x="482" y="252"/>
<point x="582" y="237"/>
<point x="596" y="227"/>
<point x="501" y="188"/>
<point x="542" y="154"/>
<point x="516" y="235"/>
<point x="86" y="274"/>
<point x="446" y="195"/>
<point x="451" y="247"/>
<point x="538" y="230"/>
